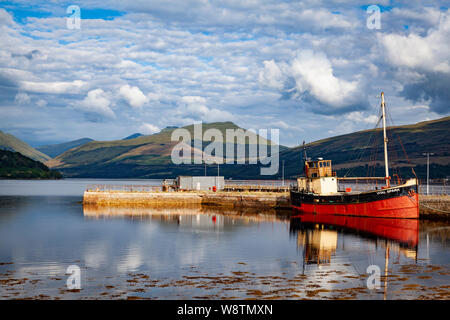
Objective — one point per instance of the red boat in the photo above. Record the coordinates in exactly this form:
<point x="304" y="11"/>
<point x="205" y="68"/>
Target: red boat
<point x="317" y="192"/>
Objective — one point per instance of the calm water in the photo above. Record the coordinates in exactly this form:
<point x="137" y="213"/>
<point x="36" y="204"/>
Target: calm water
<point x="207" y="253"/>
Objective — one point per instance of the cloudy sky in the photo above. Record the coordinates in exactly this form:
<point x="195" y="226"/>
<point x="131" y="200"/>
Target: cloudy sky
<point x="313" y="69"/>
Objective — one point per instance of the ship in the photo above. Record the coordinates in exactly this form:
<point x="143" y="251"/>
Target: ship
<point x="317" y="191"/>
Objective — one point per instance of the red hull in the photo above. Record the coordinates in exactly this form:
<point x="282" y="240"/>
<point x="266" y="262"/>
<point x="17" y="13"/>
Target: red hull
<point x="399" y="207"/>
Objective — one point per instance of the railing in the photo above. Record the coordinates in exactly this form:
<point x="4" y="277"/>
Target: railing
<point x="124" y="188"/>
<point x="435" y="189"/>
<point x="230" y="185"/>
<point x="442" y="188"/>
<point x="262" y="183"/>
<point x="362" y="183"/>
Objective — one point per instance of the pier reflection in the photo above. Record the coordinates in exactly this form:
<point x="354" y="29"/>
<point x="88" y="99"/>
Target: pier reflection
<point x="318" y="235"/>
<point x="189" y="217"/>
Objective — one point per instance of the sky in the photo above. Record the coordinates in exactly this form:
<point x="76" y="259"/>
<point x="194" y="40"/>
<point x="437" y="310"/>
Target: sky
<point x="312" y="69"/>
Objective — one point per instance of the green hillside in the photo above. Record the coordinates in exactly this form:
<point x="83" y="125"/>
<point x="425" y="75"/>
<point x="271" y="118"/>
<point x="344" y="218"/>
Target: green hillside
<point x="353" y="154"/>
<point x="145" y="156"/>
<point x="11" y="143"/>
<point x="14" y="165"/>
<point x="54" y="150"/>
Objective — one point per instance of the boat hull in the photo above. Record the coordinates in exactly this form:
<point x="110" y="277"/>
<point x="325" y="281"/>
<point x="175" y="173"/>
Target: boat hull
<point x="397" y="202"/>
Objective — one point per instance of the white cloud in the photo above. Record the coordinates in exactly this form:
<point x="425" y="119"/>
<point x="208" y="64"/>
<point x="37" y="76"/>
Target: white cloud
<point x="429" y="52"/>
<point x="323" y="18"/>
<point x="41" y="103"/>
<point x="57" y="87"/>
<point x="216" y="53"/>
<point x="313" y="74"/>
<point x="148" y="128"/>
<point x="360" y="117"/>
<point x="271" y="75"/>
<point x="96" y="102"/>
<point x="5" y="17"/>
<point x="126" y="64"/>
<point x="153" y="96"/>
<point x="133" y="95"/>
<point x="22" y="98"/>
<point x="195" y="107"/>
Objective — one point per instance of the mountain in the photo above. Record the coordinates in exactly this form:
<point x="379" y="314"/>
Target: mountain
<point x="133" y="136"/>
<point x="354" y="154"/>
<point x="54" y="150"/>
<point x="14" y="165"/>
<point x="143" y="157"/>
<point x="11" y="143"/>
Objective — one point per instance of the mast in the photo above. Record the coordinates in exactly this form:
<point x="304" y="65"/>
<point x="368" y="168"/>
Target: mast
<point x="386" y="166"/>
<point x="305" y="158"/>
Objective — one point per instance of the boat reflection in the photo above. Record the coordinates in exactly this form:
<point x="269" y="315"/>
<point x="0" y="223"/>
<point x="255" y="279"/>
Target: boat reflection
<point x="318" y="234"/>
<point x="319" y="245"/>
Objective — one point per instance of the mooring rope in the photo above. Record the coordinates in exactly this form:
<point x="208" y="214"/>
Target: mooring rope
<point x="424" y="205"/>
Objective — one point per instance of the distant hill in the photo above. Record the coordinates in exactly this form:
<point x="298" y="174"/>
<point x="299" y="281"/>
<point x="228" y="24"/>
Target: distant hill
<point x="144" y="157"/>
<point x="54" y="150"/>
<point x="353" y="154"/>
<point x="133" y="136"/>
<point x="11" y="143"/>
<point x="14" y="165"/>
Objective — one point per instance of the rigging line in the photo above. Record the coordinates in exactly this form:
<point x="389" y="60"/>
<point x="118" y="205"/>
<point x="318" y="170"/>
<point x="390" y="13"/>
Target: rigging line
<point x="424" y="205"/>
<point x="374" y="161"/>
<point x="394" y="155"/>
<point x="400" y="141"/>
<point x="402" y="146"/>
<point x="372" y="158"/>
<point x="391" y="132"/>
<point x="365" y="128"/>
<point x="364" y="148"/>
<point x="369" y="171"/>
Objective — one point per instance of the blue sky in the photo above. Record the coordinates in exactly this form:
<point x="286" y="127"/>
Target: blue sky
<point x="311" y="69"/>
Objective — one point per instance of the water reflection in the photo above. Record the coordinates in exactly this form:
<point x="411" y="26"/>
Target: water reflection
<point x="212" y="253"/>
<point x="198" y="218"/>
<point x="317" y="235"/>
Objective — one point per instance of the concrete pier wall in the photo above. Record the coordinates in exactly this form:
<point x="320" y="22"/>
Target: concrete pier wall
<point x="434" y="207"/>
<point x="155" y="199"/>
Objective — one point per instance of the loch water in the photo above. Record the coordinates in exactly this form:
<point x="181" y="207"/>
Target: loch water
<point x="208" y="253"/>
